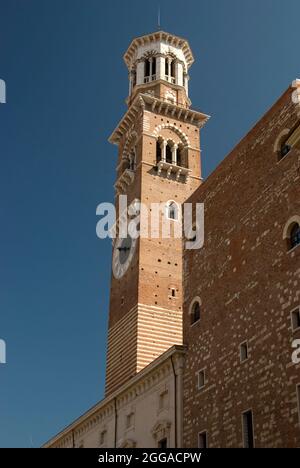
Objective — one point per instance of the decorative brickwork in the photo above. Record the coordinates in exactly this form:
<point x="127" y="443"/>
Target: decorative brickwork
<point x="248" y="283"/>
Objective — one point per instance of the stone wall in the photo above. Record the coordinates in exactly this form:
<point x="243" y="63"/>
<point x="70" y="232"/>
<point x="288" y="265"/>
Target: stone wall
<point x="248" y="283"/>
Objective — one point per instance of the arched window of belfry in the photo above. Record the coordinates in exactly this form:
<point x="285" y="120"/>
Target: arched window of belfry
<point x="167" y="66"/>
<point x="170" y="69"/>
<point x="173" y="68"/>
<point x="181" y="156"/>
<point x="158" y="150"/>
<point x="147" y="68"/>
<point x="153" y="68"/>
<point x="169" y="153"/>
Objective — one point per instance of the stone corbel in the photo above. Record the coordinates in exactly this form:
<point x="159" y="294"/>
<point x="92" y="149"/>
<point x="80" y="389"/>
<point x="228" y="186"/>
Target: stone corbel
<point x="178" y="174"/>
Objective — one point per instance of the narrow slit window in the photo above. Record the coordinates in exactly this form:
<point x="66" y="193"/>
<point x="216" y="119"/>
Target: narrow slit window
<point x="244" y="351"/>
<point x="201" y="379"/>
<point x="168" y="154"/>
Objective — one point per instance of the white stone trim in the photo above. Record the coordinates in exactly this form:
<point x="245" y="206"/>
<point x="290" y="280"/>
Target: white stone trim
<point x="180" y="133"/>
<point x="138" y="106"/>
<point x="160" y="37"/>
<point x="178" y="210"/>
<point x="196" y="299"/>
<point x="279" y="139"/>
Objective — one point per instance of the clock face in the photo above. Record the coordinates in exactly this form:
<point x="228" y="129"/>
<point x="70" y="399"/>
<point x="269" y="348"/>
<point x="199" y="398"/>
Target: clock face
<point x="122" y="256"/>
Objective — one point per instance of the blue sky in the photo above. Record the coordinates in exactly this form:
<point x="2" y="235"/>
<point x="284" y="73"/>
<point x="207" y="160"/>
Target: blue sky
<point x="66" y="87"/>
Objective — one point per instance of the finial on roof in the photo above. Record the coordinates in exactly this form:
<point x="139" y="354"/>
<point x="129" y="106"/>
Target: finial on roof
<point x="158" y="18"/>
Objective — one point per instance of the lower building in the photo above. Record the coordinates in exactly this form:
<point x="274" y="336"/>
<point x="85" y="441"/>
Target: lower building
<point x="146" y="412"/>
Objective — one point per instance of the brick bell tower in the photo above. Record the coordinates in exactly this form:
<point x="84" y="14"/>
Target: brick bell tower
<point x="158" y="162"/>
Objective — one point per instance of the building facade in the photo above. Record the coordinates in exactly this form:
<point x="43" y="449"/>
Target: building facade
<point x="199" y="341"/>
<point x="242" y="292"/>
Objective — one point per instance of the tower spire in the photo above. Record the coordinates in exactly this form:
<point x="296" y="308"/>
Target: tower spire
<point x="158" y="18"/>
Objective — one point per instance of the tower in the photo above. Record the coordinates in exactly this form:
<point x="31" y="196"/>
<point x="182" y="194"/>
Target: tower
<point x="158" y="162"/>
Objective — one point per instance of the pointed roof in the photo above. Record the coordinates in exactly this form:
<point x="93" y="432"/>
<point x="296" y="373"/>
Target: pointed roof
<point x="162" y="36"/>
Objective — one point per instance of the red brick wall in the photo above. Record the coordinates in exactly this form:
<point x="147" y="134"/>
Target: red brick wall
<point x="248" y="284"/>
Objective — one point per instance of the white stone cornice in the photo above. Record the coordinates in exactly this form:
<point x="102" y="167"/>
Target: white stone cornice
<point x="142" y="101"/>
<point x="161" y="36"/>
<point x="170" y="169"/>
<point x="140" y="104"/>
<point x="137" y="105"/>
<point x="124" y="181"/>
